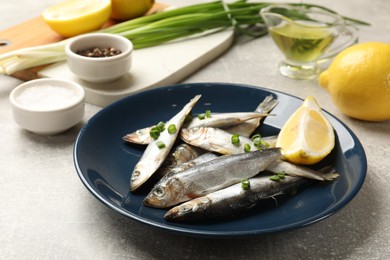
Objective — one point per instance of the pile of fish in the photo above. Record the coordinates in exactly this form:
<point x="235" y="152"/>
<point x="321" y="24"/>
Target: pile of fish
<point x="202" y="177"/>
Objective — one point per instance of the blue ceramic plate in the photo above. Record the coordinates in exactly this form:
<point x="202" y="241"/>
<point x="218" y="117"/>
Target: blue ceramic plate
<point x="104" y="162"/>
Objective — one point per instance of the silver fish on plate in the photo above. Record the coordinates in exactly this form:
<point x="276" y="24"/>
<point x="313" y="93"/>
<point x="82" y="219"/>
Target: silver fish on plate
<point x="248" y="127"/>
<point x="222" y="120"/>
<point x="217" y="140"/>
<point x="219" y="120"/>
<point x="301" y="171"/>
<point x="154" y="156"/>
<point x="228" y="202"/>
<point x="182" y="154"/>
<point x="209" y="177"/>
<point x="196" y="161"/>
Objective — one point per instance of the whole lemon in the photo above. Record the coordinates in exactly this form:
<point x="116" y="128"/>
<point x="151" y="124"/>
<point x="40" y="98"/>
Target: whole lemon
<point x="129" y="9"/>
<point x="358" y="81"/>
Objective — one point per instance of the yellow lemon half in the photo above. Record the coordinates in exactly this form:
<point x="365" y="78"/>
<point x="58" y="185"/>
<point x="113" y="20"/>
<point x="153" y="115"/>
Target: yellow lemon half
<point x="307" y="137"/>
<point x="74" y="17"/>
<point x="358" y="81"/>
<point x="129" y="9"/>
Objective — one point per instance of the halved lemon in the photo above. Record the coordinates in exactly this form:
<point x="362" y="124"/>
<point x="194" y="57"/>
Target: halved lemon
<point x="74" y="17"/>
<point x="307" y="137"/>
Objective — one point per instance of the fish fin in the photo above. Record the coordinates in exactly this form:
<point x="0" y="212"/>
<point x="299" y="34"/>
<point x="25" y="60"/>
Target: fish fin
<point x="330" y="176"/>
<point x="329" y="173"/>
<point x="267" y="104"/>
<point x="276" y="200"/>
<point x="274" y="197"/>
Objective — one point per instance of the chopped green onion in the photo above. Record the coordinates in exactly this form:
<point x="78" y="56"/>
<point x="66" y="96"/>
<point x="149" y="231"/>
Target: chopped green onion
<point x="160" y="144"/>
<point x="274" y="178"/>
<point x="264" y="143"/>
<point x="247" y="148"/>
<point x="245" y="184"/>
<point x="281" y="175"/>
<point x="154" y="133"/>
<point x="156" y="130"/>
<point x="235" y="139"/>
<point x="201" y="116"/>
<point x="208" y="114"/>
<point x="160" y="126"/>
<point x="172" y="129"/>
<point x="261" y="144"/>
<point x="278" y="176"/>
<point x="258" y="142"/>
<point x="255" y="137"/>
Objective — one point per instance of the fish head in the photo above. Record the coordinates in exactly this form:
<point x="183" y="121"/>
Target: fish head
<point x="184" y="153"/>
<point x="194" y="134"/>
<point x="137" y="179"/>
<point x="164" y="194"/>
<point x="140" y="136"/>
<point x="188" y="210"/>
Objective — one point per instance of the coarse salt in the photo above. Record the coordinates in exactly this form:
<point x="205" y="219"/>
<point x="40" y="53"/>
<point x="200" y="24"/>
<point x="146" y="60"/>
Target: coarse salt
<point x="46" y="97"/>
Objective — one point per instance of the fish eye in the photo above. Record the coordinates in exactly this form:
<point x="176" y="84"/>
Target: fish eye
<point x="135" y="175"/>
<point x="159" y="192"/>
<point x="194" y="129"/>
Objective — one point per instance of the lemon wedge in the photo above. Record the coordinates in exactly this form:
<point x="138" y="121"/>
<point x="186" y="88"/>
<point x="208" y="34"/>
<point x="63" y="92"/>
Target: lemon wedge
<point x="74" y="17"/>
<point x="307" y="137"/>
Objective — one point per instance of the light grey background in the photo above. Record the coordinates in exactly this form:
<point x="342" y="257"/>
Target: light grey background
<point x="46" y="212"/>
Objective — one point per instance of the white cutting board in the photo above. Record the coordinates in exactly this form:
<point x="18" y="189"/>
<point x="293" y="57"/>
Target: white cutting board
<point x="152" y="67"/>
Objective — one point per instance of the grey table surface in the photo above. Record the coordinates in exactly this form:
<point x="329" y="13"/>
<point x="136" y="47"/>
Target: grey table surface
<point x="47" y="213"/>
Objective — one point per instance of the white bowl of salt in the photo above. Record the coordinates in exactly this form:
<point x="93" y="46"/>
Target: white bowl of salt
<point x="48" y="106"/>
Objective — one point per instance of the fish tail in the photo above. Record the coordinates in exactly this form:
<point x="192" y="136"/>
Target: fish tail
<point x="267" y="105"/>
<point x="329" y="173"/>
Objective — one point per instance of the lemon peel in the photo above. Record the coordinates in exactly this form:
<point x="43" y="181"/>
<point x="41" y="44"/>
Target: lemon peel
<point x="74" y="17"/>
<point x="307" y="137"/>
<point x="358" y="81"/>
<point x="123" y="10"/>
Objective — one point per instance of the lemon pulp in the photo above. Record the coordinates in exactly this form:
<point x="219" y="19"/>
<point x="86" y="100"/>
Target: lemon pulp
<point x="74" y="17"/>
<point x="307" y="137"/>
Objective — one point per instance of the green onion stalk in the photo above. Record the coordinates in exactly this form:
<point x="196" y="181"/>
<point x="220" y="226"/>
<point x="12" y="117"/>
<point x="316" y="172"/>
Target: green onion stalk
<point x="162" y="27"/>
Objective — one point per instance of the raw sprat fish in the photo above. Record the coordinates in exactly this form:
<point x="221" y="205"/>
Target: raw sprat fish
<point x="179" y="158"/>
<point x="277" y="166"/>
<point x="301" y="171"/>
<point x="208" y="156"/>
<point x="220" y="141"/>
<point x="218" y="120"/>
<point x="234" y="199"/>
<point x="156" y="152"/>
<point x="209" y="177"/>
<point x="248" y="127"/>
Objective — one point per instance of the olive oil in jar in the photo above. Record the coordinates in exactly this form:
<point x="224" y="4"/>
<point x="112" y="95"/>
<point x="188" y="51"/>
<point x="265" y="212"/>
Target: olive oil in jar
<point x="300" y="43"/>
